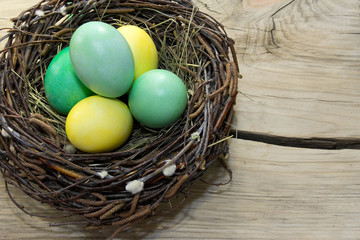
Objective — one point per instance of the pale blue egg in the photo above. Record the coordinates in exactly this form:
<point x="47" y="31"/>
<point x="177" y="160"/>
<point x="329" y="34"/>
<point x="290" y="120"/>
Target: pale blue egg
<point x="102" y="59"/>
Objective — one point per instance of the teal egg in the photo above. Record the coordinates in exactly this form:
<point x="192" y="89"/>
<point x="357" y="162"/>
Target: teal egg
<point x="63" y="89"/>
<point x="102" y="59"/>
<point x="157" y="98"/>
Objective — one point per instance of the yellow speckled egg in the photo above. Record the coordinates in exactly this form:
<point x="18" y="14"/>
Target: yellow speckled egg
<point x="99" y="124"/>
<point x="142" y="47"/>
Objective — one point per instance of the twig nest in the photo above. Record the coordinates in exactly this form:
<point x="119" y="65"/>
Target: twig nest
<point x="126" y="185"/>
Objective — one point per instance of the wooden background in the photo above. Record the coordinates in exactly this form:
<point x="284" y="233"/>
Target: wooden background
<point x="300" y="62"/>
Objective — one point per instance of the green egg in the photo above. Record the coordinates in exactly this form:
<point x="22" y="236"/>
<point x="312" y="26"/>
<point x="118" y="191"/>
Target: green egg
<point x="157" y="98"/>
<point x="63" y="89"/>
<point x="102" y="59"/>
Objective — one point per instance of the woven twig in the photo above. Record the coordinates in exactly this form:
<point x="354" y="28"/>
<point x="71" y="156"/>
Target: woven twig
<point x="190" y="43"/>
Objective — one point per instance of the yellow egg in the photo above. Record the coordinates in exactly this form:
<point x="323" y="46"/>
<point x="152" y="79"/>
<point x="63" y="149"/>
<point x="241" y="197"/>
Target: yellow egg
<point x="99" y="124"/>
<point x="142" y="47"/>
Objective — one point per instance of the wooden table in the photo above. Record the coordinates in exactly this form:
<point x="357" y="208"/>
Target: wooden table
<point x="295" y="163"/>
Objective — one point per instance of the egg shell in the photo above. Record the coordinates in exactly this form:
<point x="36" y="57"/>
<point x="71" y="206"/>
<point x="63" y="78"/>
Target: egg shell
<point x="142" y="47"/>
<point x="63" y="89"/>
<point x="102" y="59"/>
<point x="98" y="124"/>
<point x="157" y="98"/>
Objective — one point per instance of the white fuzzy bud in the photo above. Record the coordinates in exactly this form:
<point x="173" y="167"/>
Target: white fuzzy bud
<point x="4" y="133"/>
<point x="134" y="186"/>
<point x="102" y="174"/>
<point x="63" y="10"/>
<point x="39" y="13"/>
<point x="169" y="170"/>
<point x="69" y="148"/>
<point x="195" y="136"/>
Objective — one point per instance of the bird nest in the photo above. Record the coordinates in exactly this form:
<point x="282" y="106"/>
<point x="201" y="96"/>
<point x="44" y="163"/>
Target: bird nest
<point x="33" y="143"/>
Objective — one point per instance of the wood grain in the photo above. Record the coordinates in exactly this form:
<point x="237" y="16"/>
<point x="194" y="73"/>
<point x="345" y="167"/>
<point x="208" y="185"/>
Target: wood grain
<point x="9" y="9"/>
<point x="276" y="193"/>
<point x="300" y="62"/>
<point x="300" y="66"/>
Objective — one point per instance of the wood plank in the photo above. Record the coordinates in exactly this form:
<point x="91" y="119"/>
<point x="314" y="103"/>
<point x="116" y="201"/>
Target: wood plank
<point x="300" y="62"/>
<point x="276" y="192"/>
<point x="9" y="9"/>
<point x="307" y="86"/>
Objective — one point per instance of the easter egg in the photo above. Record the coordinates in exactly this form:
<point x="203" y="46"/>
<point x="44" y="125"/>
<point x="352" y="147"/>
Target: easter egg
<point x="102" y="59"/>
<point x="98" y="124"/>
<point x="142" y="47"/>
<point x="157" y="98"/>
<point x="63" y="89"/>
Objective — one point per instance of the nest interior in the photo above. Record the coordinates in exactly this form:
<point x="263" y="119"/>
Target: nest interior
<point x="33" y="143"/>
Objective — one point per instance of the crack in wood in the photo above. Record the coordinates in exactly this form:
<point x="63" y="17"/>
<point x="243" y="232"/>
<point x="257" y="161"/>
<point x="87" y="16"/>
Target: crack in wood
<point x="298" y="142"/>
<point x="206" y="6"/>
